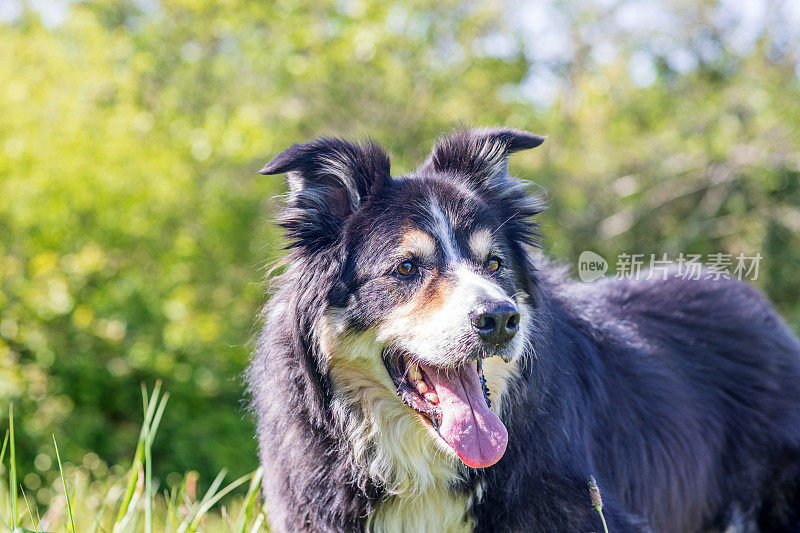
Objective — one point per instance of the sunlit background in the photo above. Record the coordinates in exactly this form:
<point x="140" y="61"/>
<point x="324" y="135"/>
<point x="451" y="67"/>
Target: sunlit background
<point x="134" y="229"/>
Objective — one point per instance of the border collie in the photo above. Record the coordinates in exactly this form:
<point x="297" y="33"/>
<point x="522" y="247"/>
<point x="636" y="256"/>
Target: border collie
<point x="422" y="368"/>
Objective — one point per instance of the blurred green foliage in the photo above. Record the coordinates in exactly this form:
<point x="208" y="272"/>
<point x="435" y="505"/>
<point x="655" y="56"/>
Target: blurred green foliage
<point x="134" y="228"/>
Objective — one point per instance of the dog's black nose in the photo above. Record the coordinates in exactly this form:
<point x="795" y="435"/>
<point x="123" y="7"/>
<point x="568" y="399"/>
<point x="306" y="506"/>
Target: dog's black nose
<point x="497" y="321"/>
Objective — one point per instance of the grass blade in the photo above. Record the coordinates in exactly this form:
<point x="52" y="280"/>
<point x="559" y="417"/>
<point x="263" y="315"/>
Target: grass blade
<point x="98" y="520"/>
<point x="150" y="435"/>
<point x="136" y="470"/>
<point x="210" y="502"/>
<point x="170" y="500"/>
<point x="30" y="512"/>
<point x="249" y="501"/>
<point x="148" y="473"/>
<point x="148" y="497"/>
<point x="71" y="522"/>
<point x="132" y="502"/>
<point x="12" y="470"/>
<point x="208" y="495"/>
<point x="2" y="457"/>
<point x="3" y="451"/>
<point x="156" y="421"/>
<point x="257" y="523"/>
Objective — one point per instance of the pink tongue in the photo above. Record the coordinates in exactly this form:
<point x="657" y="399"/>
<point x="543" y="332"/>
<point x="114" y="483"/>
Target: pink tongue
<point x="476" y="434"/>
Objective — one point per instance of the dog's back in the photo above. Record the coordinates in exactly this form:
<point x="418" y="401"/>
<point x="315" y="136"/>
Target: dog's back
<point x="702" y="390"/>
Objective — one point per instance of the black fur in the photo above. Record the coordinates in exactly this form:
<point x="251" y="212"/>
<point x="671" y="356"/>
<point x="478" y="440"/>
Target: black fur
<point x="681" y="397"/>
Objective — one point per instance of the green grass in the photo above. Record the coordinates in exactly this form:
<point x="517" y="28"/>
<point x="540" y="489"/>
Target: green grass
<point x="118" y="500"/>
<point x="71" y="522"/>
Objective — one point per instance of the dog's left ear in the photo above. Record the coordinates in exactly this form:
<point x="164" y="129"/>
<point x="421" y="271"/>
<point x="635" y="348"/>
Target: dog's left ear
<point x="481" y="154"/>
<point x="328" y="179"/>
<point x="480" y="157"/>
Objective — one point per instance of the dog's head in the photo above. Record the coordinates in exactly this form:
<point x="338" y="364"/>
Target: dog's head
<point x="430" y="274"/>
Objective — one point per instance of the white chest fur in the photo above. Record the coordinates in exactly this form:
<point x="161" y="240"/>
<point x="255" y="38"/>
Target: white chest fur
<point x="437" y="510"/>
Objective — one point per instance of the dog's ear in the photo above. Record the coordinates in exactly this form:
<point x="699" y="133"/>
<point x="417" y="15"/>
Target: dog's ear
<point x="480" y="155"/>
<point x="328" y="180"/>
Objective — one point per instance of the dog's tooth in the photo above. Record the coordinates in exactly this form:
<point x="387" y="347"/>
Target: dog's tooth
<point x="431" y="397"/>
<point x="421" y="387"/>
<point x="413" y="372"/>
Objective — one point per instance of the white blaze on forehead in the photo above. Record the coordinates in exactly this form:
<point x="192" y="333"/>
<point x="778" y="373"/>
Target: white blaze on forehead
<point x="481" y="244"/>
<point x="444" y="232"/>
<point x="420" y="244"/>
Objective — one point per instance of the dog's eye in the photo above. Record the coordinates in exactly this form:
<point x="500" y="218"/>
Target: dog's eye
<point x="493" y="264"/>
<point x="406" y="268"/>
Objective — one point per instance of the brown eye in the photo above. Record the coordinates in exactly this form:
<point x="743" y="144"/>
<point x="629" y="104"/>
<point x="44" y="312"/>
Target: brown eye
<point x="493" y="264"/>
<point x="406" y="268"/>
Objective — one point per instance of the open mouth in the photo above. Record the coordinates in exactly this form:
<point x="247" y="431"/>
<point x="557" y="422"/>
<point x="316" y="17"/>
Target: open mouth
<point x="455" y="402"/>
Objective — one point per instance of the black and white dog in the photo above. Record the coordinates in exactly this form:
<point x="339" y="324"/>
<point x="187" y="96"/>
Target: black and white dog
<point x="421" y="368"/>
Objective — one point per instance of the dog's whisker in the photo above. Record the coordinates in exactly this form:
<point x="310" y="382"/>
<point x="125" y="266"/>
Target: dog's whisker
<point x="494" y="232"/>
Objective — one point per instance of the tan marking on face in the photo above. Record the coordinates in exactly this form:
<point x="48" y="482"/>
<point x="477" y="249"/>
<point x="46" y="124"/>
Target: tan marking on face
<point x="481" y="244"/>
<point x="429" y="301"/>
<point x="432" y="297"/>
<point x="418" y="243"/>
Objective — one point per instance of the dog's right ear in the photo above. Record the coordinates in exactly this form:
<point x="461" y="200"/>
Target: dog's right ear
<point x="328" y="180"/>
<point x="480" y="155"/>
